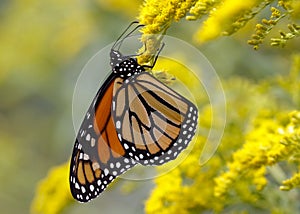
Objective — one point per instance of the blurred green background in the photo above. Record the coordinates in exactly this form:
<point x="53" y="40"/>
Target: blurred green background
<point x="43" y="47"/>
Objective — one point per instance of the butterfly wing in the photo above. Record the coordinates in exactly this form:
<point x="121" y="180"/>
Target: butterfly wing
<point x="98" y="156"/>
<point x="153" y="122"/>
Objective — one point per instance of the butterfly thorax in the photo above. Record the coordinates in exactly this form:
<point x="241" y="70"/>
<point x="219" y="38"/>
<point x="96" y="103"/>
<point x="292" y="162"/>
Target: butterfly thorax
<point x="124" y="66"/>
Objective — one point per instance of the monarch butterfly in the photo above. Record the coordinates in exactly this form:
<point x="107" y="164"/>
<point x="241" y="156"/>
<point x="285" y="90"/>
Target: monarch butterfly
<point x="133" y="119"/>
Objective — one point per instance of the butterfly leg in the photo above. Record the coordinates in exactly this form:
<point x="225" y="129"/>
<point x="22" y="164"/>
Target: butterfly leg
<point x="156" y="57"/>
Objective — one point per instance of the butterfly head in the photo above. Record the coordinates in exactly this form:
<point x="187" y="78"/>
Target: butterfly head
<point x="115" y="58"/>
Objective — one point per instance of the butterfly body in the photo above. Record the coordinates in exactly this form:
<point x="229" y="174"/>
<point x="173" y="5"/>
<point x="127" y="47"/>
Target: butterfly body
<point x="133" y="119"/>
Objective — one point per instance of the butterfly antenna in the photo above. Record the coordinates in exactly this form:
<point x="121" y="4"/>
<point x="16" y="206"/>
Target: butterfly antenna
<point x="134" y="22"/>
<point x="127" y="35"/>
<point x="119" y="40"/>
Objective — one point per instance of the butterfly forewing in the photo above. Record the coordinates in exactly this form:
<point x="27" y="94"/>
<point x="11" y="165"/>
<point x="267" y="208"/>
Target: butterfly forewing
<point x="154" y="122"/>
<point x="98" y="155"/>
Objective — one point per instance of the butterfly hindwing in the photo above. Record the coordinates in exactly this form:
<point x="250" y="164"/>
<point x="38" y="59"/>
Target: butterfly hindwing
<point x="153" y="122"/>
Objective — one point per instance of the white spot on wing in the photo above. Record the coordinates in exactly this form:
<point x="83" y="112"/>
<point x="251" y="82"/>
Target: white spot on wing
<point x="83" y="189"/>
<point x="118" y="124"/>
<point x="86" y="157"/>
<point x="114" y="105"/>
<point x="93" y="142"/>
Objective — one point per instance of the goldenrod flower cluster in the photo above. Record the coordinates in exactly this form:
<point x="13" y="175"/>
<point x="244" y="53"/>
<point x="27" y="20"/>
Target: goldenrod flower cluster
<point x="223" y="17"/>
<point x="248" y="161"/>
<point x="52" y="193"/>
<point x="262" y="148"/>
<point x="292" y="141"/>
<point x="158" y="15"/>
<point x="190" y="187"/>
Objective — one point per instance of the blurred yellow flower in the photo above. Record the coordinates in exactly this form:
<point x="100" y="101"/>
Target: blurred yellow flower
<point x="262" y="148"/>
<point x="240" y="170"/>
<point x="53" y="193"/>
<point x="128" y="8"/>
<point x="32" y="38"/>
<point x="223" y="17"/>
<point x="291" y="183"/>
<point x="201" y="8"/>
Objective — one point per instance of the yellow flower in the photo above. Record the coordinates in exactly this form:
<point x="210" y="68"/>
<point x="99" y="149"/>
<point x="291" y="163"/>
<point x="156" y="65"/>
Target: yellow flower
<point x="53" y="193"/>
<point x="291" y="183"/>
<point x="296" y="7"/>
<point x="201" y="8"/>
<point x="225" y="17"/>
<point x="157" y="16"/>
<point x="221" y="18"/>
<point x="128" y="8"/>
<point x="237" y="173"/>
<point x="56" y="33"/>
<point x="265" y="147"/>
